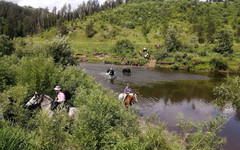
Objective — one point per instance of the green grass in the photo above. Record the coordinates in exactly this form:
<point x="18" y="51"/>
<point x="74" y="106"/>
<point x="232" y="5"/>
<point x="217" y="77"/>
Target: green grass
<point x="108" y="33"/>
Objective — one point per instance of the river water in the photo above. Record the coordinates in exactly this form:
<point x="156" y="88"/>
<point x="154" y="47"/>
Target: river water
<point x="164" y="94"/>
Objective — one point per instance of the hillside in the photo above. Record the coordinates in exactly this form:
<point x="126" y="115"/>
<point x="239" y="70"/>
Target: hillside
<point x="192" y="28"/>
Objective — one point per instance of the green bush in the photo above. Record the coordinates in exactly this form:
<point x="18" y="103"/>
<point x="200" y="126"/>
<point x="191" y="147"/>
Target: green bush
<point x="124" y="48"/>
<point x="60" y="50"/>
<point x="89" y="30"/>
<point x="161" y="55"/>
<point x="219" y="63"/>
<point x="103" y="122"/>
<point x="7" y="71"/>
<point x="179" y="57"/>
<point x="202" y="135"/>
<point x="51" y="131"/>
<point x="6" y="46"/>
<point x="14" y="138"/>
<point x="13" y="103"/>
<point x="39" y="74"/>
<point x="228" y="92"/>
<point x="71" y="78"/>
<point x="170" y="40"/>
<point x="225" y="42"/>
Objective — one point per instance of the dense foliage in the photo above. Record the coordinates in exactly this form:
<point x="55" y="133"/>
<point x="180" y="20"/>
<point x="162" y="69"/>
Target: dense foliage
<point x="124" y="48"/>
<point x="228" y="92"/>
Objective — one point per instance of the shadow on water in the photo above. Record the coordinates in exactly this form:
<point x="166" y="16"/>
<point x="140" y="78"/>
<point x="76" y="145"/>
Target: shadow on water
<point x="165" y="94"/>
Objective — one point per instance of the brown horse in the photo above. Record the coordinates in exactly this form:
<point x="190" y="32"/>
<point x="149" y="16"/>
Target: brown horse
<point x="157" y="46"/>
<point x="135" y="64"/>
<point x="130" y="99"/>
<point x="140" y="53"/>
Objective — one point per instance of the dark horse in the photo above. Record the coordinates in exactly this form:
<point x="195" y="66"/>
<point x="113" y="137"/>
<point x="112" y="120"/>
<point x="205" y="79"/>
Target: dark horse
<point x="110" y="71"/>
<point x="126" y="71"/>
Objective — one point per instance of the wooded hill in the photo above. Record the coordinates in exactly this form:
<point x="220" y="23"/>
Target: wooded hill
<point x="192" y="34"/>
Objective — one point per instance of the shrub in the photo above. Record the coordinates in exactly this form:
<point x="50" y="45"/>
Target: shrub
<point x="51" y="131"/>
<point x="170" y="40"/>
<point x="129" y="24"/>
<point x="161" y="55"/>
<point x="218" y="63"/>
<point x="202" y="135"/>
<point x="124" y="48"/>
<point x="225" y="42"/>
<point x="89" y="31"/>
<point x="179" y="57"/>
<point x="39" y="74"/>
<point x="60" y="50"/>
<point x="13" y="102"/>
<point x="13" y="138"/>
<point x="6" y="46"/>
<point x="102" y="122"/>
<point x="71" y="78"/>
<point x="228" y="92"/>
<point x="7" y="72"/>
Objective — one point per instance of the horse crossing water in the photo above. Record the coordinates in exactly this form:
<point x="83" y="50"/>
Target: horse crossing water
<point x="128" y="99"/>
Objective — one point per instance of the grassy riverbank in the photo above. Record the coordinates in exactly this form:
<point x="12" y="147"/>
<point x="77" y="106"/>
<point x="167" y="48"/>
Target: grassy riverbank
<point x="191" y="34"/>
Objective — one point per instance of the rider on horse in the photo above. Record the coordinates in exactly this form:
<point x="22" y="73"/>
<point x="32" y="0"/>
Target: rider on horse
<point x="127" y="89"/>
<point x="60" y="96"/>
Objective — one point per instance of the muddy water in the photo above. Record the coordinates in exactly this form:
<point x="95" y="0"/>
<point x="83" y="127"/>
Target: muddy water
<point x="165" y="94"/>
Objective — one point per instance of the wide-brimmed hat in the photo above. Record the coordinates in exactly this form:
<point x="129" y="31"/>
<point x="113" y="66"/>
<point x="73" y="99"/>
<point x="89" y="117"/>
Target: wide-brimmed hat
<point x="57" y="88"/>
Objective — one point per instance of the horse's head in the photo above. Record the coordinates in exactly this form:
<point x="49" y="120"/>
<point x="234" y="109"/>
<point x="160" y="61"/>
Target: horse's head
<point x="36" y="99"/>
<point x="134" y="97"/>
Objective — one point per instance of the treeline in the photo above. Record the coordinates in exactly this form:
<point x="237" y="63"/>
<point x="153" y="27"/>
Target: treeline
<point x="18" y="21"/>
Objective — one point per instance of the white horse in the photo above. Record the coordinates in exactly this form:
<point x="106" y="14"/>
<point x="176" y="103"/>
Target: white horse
<point x="46" y="103"/>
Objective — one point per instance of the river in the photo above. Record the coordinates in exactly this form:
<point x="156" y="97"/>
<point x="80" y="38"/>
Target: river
<point x="164" y="94"/>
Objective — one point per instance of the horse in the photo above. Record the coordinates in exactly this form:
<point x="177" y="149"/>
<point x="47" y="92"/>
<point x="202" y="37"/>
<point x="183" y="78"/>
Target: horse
<point x="135" y="64"/>
<point x="157" y="46"/>
<point x="126" y="71"/>
<point x="129" y="98"/>
<point x="140" y="52"/>
<point x="147" y="56"/>
<point x="46" y="103"/>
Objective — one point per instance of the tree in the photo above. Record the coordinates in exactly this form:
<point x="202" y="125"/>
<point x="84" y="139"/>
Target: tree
<point x="225" y="42"/>
<point x="89" y="31"/>
<point x="171" y="41"/>
<point x="6" y="46"/>
<point x="124" y="48"/>
<point x="210" y="31"/>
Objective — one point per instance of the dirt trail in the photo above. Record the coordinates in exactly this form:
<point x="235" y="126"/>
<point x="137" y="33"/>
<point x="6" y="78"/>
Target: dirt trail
<point x="151" y="63"/>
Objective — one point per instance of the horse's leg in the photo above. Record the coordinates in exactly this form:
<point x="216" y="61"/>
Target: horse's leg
<point x="127" y="103"/>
